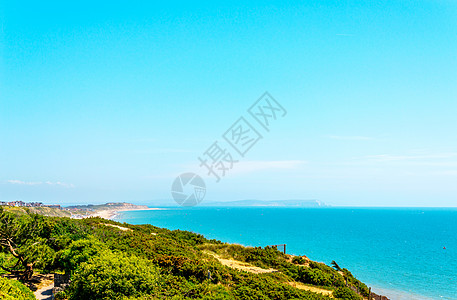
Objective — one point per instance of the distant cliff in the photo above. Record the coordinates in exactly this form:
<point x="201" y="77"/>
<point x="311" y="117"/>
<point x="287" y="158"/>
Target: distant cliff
<point x="80" y="211"/>
<point x="108" y="206"/>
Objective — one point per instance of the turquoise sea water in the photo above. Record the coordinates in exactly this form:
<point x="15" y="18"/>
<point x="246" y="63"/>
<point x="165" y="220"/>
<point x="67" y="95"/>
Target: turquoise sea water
<point x="398" y="251"/>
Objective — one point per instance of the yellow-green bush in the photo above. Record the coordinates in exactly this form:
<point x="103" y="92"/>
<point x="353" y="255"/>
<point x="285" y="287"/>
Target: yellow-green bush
<point x="14" y="290"/>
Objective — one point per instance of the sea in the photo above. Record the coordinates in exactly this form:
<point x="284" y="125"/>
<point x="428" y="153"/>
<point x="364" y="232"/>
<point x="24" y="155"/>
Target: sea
<point x="402" y="253"/>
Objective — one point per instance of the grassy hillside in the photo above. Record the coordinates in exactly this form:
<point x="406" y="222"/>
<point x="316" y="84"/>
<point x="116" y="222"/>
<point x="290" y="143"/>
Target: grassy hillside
<point x="110" y="260"/>
<point x="45" y="211"/>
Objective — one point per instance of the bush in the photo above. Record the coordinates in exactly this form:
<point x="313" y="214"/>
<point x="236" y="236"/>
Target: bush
<point x="299" y="260"/>
<point x="13" y="290"/>
<point x="61" y="296"/>
<point x="113" y="276"/>
<point x="346" y="293"/>
<point x="79" y="252"/>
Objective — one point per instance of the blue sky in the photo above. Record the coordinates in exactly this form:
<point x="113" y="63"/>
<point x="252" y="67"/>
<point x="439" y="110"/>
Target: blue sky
<point x="110" y="101"/>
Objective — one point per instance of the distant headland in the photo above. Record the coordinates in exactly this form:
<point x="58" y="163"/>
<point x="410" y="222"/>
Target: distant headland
<point x="106" y="211"/>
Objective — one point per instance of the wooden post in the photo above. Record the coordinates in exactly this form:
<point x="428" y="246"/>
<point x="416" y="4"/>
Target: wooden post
<point x="284" y="248"/>
<point x="369" y="293"/>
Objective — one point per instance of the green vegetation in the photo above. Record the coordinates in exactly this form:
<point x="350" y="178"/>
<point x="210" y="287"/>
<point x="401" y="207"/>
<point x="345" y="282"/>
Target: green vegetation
<point x="147" y="262"/>
<point x="13" y="290"/>
<point x="45" y="211"/>
<point x="346" y="293"/>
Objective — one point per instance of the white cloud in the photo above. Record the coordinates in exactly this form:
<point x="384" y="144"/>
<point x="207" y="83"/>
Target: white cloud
<point x="14" y="181"/>
<point x="67" y="185"/>
<point x="58" y="183"/>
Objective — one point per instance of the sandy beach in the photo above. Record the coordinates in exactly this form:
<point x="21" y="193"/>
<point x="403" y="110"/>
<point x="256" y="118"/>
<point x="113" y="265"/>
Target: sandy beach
<point x="110" y="214"/>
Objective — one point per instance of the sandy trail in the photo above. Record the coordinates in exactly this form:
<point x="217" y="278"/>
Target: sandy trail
<point x="239" y="265"/>
<point x="117" y="226"/>
<point x="313" y="289"/>
<point x="44" y="293"/>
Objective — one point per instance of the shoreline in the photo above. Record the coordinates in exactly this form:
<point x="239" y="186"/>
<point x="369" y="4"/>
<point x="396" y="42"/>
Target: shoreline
<point x="395" y="294"/>
<point x="389" y="292"/>
<point x="111" y="214"/>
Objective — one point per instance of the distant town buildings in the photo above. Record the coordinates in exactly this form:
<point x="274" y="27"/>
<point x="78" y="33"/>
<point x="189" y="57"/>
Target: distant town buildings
<point x="27" y="204"/>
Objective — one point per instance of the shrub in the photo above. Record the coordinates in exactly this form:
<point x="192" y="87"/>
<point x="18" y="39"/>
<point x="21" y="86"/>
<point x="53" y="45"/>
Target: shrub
<point x="113" y="276"/>
<point x="346" y="293"/>
<point x="78" y="252"/>
<point x="13" y="290"/>
<point x="299" y="260"/>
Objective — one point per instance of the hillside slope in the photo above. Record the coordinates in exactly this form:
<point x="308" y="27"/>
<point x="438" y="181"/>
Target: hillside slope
<point x="146" y="262"/>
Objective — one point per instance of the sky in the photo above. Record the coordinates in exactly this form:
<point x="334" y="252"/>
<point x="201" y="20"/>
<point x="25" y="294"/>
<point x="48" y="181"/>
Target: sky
<point x="104" y="101"/>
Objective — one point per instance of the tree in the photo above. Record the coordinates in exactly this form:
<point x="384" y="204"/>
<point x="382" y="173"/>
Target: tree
<point x="25" y="239"/>
<point x="336" y="266"/>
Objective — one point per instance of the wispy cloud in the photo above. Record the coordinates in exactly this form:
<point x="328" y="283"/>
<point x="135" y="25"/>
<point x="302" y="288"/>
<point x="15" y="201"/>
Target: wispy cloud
<point x="14" y="181"/>
<point x="350" y="137"/>
<point x="67" y="185"/>
<point x="58" y="183"/>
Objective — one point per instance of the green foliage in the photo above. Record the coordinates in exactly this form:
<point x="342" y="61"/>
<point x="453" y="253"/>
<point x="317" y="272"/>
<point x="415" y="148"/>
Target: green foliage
<point x="335" y="266"/>
<point x="78" y="252"/>
<point x="62" y="295"/>
<point x="13" y="290"/>
<point x="346" y="293"/>
<point x="147" y="262"/>
<point x="262" y="257"/>
<point x="299" y="260"/>
<point x="266" y="287"/>
<point x="114" y="276"/>
<point x="25" y="239"/>
<point x="268" y="257"/>
<point x="363" y="289"/>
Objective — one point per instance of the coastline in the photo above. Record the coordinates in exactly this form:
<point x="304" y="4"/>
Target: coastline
<point x="193" y="222"/>
<point x="112" y="214"/>
<point x="394" y="294"/>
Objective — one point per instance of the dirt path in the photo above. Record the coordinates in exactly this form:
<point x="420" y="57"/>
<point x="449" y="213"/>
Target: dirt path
<point x="44" y="293"/>
<point x="313" y="289"/>
<point x="117" y="226"/>
<point x="239" y="265"/>
<point x="41" y="285"/>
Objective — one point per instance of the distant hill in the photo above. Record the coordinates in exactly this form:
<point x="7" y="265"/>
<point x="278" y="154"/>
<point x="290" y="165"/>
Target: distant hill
<point x="77" y="211"/>
<point x="267" y="203"/>
<point x="45" y="211"/>
<point x="108" y="206"/>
